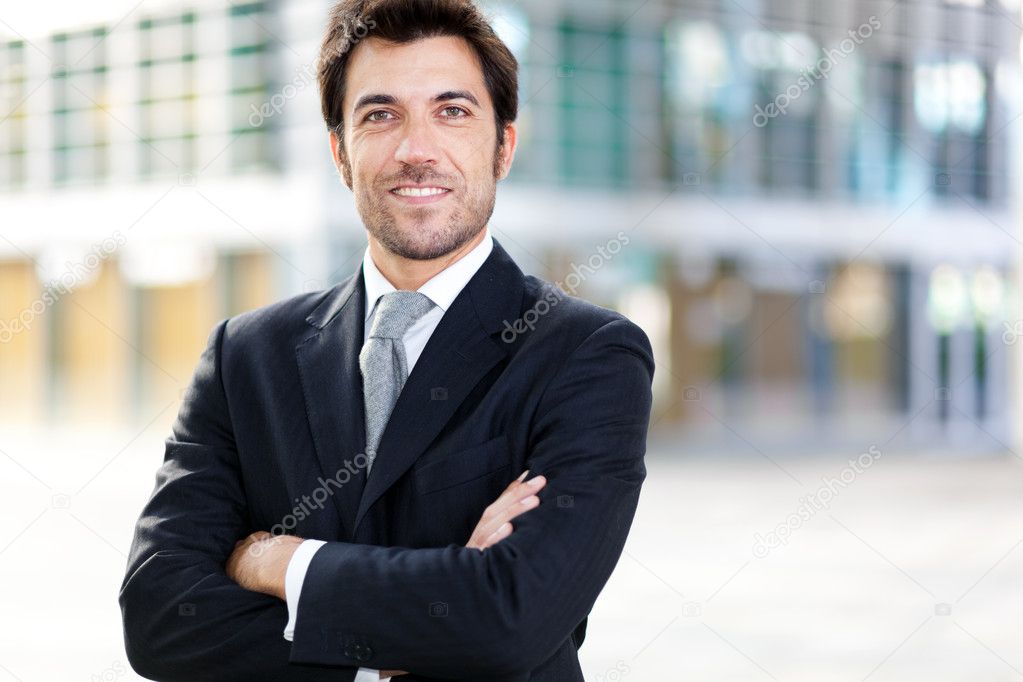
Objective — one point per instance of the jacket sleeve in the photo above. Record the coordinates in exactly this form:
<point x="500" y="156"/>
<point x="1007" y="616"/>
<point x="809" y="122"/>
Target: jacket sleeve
<point x="457" y="612"/>
<point x="184" y="619"/>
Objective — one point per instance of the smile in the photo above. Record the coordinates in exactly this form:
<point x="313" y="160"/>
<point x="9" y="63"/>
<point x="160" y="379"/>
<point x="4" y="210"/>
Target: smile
<point x="419" y="191"/>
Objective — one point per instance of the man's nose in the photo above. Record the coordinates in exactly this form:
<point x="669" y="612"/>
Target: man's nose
<point x="418" y="144"/>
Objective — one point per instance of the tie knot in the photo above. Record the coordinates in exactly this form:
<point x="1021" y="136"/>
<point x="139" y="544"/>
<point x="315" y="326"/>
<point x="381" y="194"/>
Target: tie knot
<point x="397" y="312"/>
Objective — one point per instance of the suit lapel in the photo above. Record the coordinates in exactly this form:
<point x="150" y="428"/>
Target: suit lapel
<point x="328" y="363"/>
<point x="461" y="350"/>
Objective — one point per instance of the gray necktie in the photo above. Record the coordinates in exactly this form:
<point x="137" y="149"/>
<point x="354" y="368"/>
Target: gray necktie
<point x="383" y="362"/>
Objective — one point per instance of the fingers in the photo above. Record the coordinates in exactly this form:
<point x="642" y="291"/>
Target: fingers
<point x="515" y="492"/>
<point x="513" y="502"/>
<point x="518" y="498"/>
<point x="500" y="526"/>
<point x="500" y="534"/>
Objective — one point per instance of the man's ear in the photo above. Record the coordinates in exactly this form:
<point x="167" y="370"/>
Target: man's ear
<point x="506" y="153"/>
<point x="337" y="152"/>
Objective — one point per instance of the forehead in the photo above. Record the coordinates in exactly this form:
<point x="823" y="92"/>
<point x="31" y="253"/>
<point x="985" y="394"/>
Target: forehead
<point x="420" y="69"/>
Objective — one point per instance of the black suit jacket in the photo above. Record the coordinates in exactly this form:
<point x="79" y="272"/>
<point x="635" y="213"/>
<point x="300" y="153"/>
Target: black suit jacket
<point x="515" y="376"/>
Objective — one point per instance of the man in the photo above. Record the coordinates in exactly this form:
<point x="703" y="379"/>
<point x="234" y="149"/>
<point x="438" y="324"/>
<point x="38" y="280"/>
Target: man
<point x="383" y="423"/>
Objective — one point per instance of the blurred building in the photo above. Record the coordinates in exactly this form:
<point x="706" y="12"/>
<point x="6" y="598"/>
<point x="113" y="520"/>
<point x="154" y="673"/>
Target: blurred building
<point x="810" y="203"/>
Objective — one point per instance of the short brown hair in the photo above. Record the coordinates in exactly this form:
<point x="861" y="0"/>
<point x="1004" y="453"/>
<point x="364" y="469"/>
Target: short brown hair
<point x="405" y="21"/>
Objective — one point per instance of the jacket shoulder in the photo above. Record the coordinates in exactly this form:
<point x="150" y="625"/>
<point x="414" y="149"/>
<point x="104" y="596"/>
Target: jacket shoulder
<point x="282" y="321"/>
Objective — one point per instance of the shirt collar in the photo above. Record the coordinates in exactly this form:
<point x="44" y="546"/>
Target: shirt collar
<point x="442" y="288"/>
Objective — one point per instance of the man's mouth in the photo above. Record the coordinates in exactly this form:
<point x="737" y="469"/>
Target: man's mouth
<point x="419" y="191"/>
<point x="417" y="195"/>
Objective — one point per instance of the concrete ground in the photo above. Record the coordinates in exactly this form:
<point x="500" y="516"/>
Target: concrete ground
<point x="912" y="571"/>
<point x="906" y="567"/>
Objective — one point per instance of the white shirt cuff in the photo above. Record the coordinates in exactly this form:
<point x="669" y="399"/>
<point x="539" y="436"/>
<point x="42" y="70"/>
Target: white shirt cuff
<point x="294" y="578"/>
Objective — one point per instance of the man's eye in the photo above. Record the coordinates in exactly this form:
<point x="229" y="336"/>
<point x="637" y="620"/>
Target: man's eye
<point x="455" y="112"/>
<point x="378" y="115"/>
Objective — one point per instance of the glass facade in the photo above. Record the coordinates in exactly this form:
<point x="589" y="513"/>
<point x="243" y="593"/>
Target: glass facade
<point x="167" y="95"/>
<point x="81" y="97"/>
<point x="13" y="93"/>
<point x="250" y="85"/>
<point x="709" y="116"/>
<point x="592" y="93"/>
<point x="784" y="103"/>
<point x="161" y="98"/>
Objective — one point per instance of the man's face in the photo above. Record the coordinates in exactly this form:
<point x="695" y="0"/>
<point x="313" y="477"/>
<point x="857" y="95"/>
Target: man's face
<point x="420" y="144"/>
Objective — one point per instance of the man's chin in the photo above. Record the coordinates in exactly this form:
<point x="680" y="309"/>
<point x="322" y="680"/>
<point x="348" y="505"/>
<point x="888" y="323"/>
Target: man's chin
<point x="412" y="245"/>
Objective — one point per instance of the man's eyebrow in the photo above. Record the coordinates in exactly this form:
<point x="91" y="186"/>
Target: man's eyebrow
<point x="456" y="94"/>
<point x="370" y="100"/>
<point x="447" y="95"/>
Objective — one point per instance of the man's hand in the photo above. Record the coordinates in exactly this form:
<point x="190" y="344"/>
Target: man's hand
<point x="495" y="524"/>
<point x="260" y="562"/>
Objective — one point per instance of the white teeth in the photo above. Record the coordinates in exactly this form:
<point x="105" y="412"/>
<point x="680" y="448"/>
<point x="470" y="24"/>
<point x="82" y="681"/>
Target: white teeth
<point x="419" y="191"/>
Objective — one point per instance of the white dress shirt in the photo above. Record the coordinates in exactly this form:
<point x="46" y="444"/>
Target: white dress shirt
<point x="442" y="289"/>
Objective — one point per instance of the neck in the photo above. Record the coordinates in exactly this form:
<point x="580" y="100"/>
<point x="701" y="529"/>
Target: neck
<point x="406" y="274"/>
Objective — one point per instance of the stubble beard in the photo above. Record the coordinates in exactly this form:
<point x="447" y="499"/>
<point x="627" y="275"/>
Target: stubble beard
<point x="419" y="241"/>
